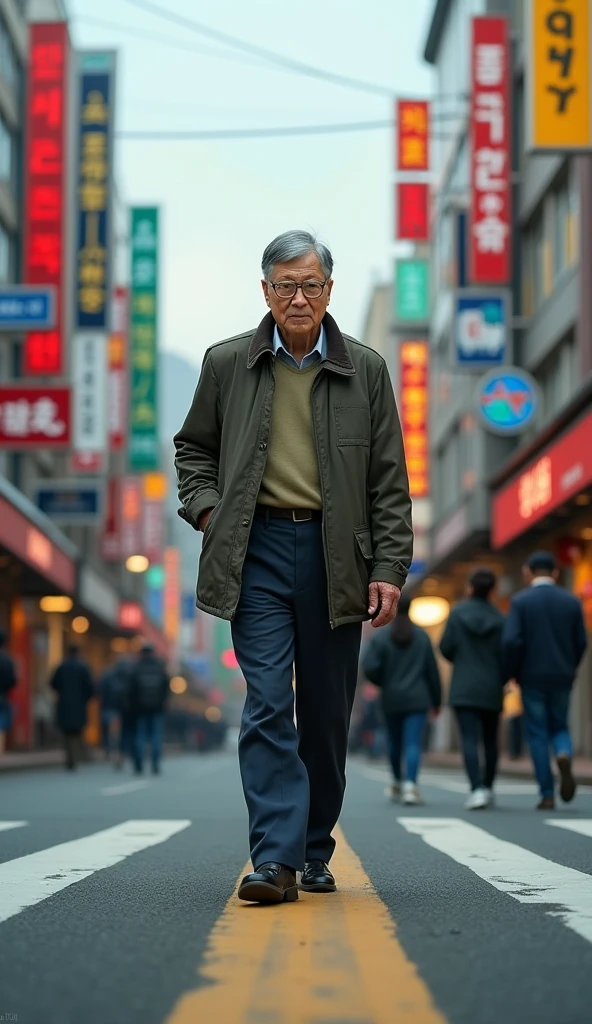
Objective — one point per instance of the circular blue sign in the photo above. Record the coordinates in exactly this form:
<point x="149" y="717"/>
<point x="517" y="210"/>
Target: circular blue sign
<point x="507" y="399"/>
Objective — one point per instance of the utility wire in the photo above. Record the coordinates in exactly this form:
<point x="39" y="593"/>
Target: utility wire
<point x="258" y="133"/>
<point x="287" y="63"/>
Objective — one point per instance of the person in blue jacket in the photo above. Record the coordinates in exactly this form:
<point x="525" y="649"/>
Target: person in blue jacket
<point x="400" y="660"/>
<point x="544" y="641"/>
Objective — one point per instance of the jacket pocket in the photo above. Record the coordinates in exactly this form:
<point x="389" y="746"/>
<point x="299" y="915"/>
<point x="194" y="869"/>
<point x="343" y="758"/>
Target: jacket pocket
<point x="210" y="521"/>
<point x="364" y="539"/>
<point x="352" y="423"/>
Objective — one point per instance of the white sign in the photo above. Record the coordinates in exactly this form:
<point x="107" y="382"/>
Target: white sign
<point x="90" y="391"/>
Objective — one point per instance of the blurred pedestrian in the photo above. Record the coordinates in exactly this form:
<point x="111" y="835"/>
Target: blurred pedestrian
<point x="291" y="461"/>
<point x="472" y="641"/>
<point x="73" y="683"/>
<point x="400" y="660"/>
<point x="544" y="641"/>
<point x="114" y="710"/>
<point x="513" y="714"/>
<point x="148" y="693"/>
<point x="43" y="713"/>
<point x="7" y="683"/>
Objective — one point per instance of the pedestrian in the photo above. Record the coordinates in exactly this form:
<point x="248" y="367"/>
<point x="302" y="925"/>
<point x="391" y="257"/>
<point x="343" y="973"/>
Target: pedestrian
<point x="544" y="641"/>
<point x="115" y="713"/>
<point x="513" y="713"/>
<point x="7" y="683"/>
<point x="73" y="683"/>
<point x="472" y="641"/>
<point x="291" y="461"/>
<point x="148" y="692"/>
<point x="400" y="660"/>
<point x="44" y="714"/>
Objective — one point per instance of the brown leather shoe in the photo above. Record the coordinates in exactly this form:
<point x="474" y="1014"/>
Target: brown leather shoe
<point x="567" y="785"/>
<point x="317" y="877"/>
<point x="269" y="883"/>
<point x="546" y="804"/>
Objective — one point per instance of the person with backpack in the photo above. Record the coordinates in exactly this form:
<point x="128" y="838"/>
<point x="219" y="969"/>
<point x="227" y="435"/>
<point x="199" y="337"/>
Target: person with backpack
<point x="400" y="660"/>
<point x="148" y="692"/>
<point x="472" y="641"/>
<point x="7" y="683"/>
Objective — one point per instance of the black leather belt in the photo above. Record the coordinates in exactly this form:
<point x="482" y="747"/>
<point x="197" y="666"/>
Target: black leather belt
<point x="297" y="515"/>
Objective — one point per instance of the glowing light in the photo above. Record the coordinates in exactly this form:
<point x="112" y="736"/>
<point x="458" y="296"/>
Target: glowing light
<point x="137" y="563"/>
<point x="119" y="645"/>
<point x="80" y="624"/>
<point x="587" y="533"/>
<point x="178" y="684"/>
<point x="213" y="714"/>
<point x="56" y="604"/>
<point x="228" y="659"/>
<point x="429" y="611"/>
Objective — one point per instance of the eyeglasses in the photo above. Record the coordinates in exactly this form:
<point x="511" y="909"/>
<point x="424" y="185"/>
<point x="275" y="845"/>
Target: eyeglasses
<point x="288" y="289"/>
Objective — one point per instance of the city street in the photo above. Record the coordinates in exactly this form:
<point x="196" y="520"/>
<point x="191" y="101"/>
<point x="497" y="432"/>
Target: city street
<point x="116" y="904"/>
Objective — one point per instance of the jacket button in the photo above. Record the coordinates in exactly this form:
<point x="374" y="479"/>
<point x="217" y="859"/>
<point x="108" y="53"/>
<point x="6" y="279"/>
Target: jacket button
<point x="263" y="446"/>
<point x="245" y="522"/>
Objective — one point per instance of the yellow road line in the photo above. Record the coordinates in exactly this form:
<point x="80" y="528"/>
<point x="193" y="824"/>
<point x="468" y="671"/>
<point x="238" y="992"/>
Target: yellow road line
<point x="325" y="958"/>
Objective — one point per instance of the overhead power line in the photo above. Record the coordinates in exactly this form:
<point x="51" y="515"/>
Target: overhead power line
<point x="258" y="133"/>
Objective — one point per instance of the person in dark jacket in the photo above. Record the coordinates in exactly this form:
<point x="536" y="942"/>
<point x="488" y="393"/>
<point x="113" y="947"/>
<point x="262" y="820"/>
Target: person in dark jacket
<point x="544" y="641"/>
<point x="400" y="660"/>
<point x="472" y="641"/>
<point x="7" y="683"/>
<point x="115" y="712"/>
<point x="148" y="692"/>
<point x="72" y="681"/>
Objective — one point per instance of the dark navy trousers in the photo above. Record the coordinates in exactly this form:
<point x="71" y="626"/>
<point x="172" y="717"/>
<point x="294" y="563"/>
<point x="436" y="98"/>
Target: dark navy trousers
<point x="293" y="775"/>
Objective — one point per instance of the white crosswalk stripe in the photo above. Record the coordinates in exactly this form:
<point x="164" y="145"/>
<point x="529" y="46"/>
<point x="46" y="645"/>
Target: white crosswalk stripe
<point x="519" y="873"/>
<point x="28" y="880"/>
<point x="5" y="826"/>
<point x="581" y="825"/>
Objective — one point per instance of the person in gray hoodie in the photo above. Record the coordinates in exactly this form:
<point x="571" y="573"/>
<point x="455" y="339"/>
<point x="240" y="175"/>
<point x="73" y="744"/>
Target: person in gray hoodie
<point x="400" y="660"/>
<point x="472" y="641"/>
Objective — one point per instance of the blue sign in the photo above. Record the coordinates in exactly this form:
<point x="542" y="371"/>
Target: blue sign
<point x="188" y="608"/>
<point x="507" y="400"/>
<point x="70" y="503"/>
<point x="95" y="157"/>
<point x="480" y="329"/>
<point x="418" y="568"/>
<point x="24" y="306"/>
<point x="155" y="604"/>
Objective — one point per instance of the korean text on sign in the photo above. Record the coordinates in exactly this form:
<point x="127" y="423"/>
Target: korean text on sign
<point x="559" y="104"/>
<point x="413" y="211"/>
<point x="143" y="443"/>
<point x="413" y="125"/>
<point x="414" y="395"/>
<point x="43" y="261"/>
<point x="490" y="239"/>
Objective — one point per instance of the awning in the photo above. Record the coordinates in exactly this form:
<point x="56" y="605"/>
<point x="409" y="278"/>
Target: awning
<point x="31" y="536"/>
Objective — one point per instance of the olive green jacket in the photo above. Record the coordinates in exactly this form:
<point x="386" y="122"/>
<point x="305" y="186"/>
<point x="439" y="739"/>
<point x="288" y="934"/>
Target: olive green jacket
<point x="221" y="454"/>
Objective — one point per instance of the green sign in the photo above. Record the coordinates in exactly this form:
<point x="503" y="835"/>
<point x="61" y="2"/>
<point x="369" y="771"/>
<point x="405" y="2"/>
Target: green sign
<point x="143" y="448"/>
<point x="412" y="291"/>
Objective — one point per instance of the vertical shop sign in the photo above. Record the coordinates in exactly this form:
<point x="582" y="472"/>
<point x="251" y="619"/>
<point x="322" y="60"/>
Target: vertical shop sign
<point x="559" y="76"/>
<point x="111" y="536"/>
<point x="413" y="131"/>
<point x="90" y="392"/>
<point x="413" y="211"/>
<point x="117" y="371"/>
<point x="131" y="516"/>
<point x="96" y="82"/>
<point x="44" y="243"/>
<point x="414" y="388"/>
<point x="412" y="290"/>
<point x="490" y="220"/>
<point x="172" y="594"/>
<point x="143" y="414"/>
<point x="155" y="489"/>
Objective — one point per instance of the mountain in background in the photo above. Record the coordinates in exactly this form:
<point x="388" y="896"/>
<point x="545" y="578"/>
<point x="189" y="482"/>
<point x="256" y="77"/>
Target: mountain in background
<point x="177" y="382"/>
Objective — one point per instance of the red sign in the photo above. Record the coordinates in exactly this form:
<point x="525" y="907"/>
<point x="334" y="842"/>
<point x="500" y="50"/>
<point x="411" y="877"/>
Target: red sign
<point x="130" y="615"/>
<point x="87" y="462"/>
<point x="111" y="537"/>
<point x="117" y="372"/>
<point x="27" y="542"/>
<point x="413" y="217"/>
<point x="559" y="473"/>
<point x="491" y="167"/>
<point x="36" y="417"/>
<point x="153" y="529"/>
<point x="131" y="516"/>
<point x="413" y="368"/>
<point x="45" y="184"/>
<point x="413" y="130"/>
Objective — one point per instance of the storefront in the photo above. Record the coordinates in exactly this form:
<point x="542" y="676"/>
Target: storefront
<point x="547" y="503"/>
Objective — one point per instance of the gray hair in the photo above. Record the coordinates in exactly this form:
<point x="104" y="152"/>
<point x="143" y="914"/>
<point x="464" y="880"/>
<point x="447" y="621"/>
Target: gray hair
<point x="291" y="246"/>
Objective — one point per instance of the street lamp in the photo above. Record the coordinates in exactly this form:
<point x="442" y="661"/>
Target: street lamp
<point x="80" y="624"/>
<point x="429" y="611"/>
<point x="137" y="563"/>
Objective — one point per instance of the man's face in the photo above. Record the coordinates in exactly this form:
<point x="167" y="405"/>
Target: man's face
<point x="298" y="315"/>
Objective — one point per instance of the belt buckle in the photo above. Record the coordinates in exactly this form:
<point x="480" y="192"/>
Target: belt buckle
<point x="306" y="518"/>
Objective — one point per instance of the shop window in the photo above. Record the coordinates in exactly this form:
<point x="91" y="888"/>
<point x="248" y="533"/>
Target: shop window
<point x="10" y="67"/>
<point x="5" y="256"/>
<point x="557" y="377"/>
<point x="573" y="215"/>
<point x="6" y="153"/>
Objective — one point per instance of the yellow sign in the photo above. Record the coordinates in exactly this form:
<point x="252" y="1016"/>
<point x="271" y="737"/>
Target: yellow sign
<point x="559" y="49"/>
<point x="155" y="486"/>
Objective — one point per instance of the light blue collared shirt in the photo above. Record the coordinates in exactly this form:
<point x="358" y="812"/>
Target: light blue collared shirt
<point x="318" y="353"/>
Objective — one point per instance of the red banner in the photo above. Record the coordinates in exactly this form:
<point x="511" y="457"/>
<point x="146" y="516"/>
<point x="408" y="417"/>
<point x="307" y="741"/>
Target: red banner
<point x="131" y="516"/>
<point x="413" y="135"/>
<point x="111" y="536"/>
<point x="172" y="593"/>
<point x="491" y="166"/>
<point x="414" y="389"/>
<point x="45" y="170"/>
<point x="34" y="417"/>
<point x="117" y="372"/>
<point x="413" y="218"/>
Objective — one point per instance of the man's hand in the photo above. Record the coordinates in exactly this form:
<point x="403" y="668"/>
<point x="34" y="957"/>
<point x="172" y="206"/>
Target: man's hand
<point x="384" y="601"/>
<point x="203" y="519"/>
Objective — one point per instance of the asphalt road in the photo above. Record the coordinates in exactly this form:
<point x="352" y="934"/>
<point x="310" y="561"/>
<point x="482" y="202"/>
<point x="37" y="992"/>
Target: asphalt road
<point x="113" y="891"/>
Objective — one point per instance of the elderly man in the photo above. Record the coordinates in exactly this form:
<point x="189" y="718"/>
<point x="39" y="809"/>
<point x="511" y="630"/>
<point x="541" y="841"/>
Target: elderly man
<point x="291" y="462"/>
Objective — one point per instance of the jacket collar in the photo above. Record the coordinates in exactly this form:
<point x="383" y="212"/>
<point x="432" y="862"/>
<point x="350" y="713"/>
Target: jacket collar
<point x="337" y="359"/>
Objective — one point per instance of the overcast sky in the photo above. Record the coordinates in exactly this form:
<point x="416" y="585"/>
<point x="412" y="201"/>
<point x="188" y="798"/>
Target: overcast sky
<point x="224" y="200"/>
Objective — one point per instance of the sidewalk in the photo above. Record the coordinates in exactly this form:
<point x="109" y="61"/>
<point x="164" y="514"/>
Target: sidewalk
<point x="21" y="760"/>
<point x="520" y="769"/>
